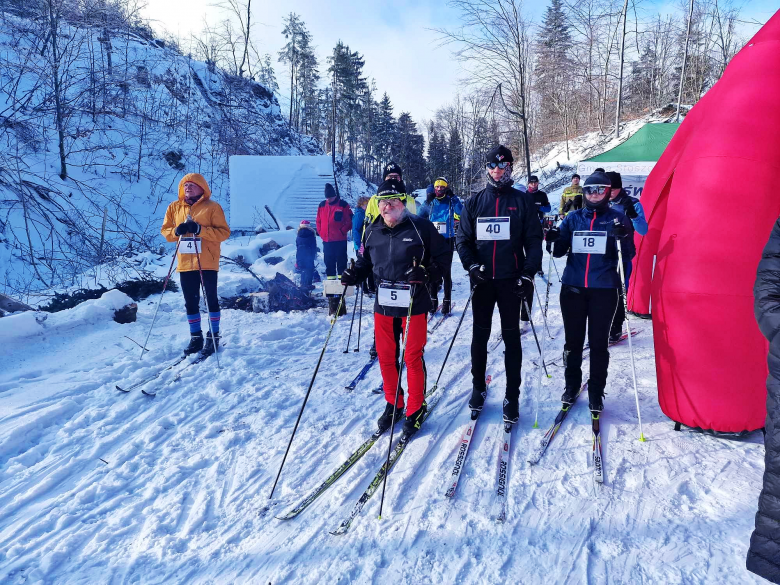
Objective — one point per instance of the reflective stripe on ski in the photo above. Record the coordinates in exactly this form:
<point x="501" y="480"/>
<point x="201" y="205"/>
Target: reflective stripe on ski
<point x="379" y="477"/>
<point x="463" y="449"/>
<point x="553" y="430"/>
<point x="340" y="470"/>
<point x="502" y="478"/>
<point x="361" y="375"/>
<point x="598" y="461"/>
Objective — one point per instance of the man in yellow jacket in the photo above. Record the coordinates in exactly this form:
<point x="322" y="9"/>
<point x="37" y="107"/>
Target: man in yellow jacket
<point x="200" y="224"/>
<point x="571" y="198"/>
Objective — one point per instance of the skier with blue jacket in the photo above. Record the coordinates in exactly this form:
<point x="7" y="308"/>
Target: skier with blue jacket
<point x="444" y="212"/>
<point x="591" y="287"/>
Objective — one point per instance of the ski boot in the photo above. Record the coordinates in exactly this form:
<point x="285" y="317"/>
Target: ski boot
<point x="615" y="336"/>
<point x="212" y="344"/>
<point x="435" y="308"/>
<point x="384" y="421"/>
<point x="414" y="421"/>
<point x="570" y="394"/>
<point x="446" y="307"/>
<point x="196" y="344"/>
<point x="511" y="411"/>
<point x="477" y="401"/>
<point x="596" y="402"/>
<point x="372" y="352"/>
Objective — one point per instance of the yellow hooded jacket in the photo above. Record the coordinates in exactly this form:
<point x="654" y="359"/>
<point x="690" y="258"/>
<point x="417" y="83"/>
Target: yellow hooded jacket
<point x="372" y="210"/>
<point x="205" y="212"/>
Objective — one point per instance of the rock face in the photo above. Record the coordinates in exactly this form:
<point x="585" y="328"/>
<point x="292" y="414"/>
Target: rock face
<point x="9" y="305"/>
<point x="126" y="314"/>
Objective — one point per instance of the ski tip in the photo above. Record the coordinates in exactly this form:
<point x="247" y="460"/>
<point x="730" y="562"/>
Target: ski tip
<point x="121" y="389"/>
<point x="149" y="394"/>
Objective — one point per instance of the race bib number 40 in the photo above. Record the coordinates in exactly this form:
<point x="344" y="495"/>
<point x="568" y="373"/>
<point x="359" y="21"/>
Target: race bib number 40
<point x="589" y="242"/>
<point x="441" y="227"/>
<point x="492" y="228"/>
<point x="394" y="294"/>
<point x="190" y="245"/>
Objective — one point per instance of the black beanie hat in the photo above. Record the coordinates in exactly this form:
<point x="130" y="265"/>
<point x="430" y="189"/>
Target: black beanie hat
<point x="598" y="170"/>
<point x="598" y="178"/>
<point x="500" y="154"/>
<point x="329" y="191"/>
<point x="616" y="179"/>
<point x="390" y="187"/>
<point x="392" y="167"/>
<point x="533" y="179"/>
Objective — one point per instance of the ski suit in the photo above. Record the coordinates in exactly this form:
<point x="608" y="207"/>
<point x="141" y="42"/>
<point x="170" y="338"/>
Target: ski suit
<point x="444" y="213"/>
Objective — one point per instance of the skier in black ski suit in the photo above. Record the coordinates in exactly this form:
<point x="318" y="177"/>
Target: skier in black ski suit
<point x="500" y="245"/>
<point x="591" y="284"/>
<point x="764" y="554"/>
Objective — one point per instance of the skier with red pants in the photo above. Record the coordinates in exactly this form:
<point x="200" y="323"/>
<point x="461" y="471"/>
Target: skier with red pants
<point x="403" y="252"/>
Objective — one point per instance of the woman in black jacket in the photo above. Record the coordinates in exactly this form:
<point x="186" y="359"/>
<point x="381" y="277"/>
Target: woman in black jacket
<point x="764" y="555"/>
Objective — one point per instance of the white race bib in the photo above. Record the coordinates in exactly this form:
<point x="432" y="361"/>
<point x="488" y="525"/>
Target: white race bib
<point x="589" y="242"/>
<point x="492" y="228"/>
<point x="332" y="286"/>
<point x="395" y="294"/>
<point x="441" y="227"/>
<point x="190" y="245"/>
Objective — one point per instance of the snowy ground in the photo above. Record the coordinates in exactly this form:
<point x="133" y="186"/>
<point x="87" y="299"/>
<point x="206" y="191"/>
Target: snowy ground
<point x="102" y="487"/>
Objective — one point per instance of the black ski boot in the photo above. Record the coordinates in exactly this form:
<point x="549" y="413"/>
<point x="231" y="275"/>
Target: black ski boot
<point x="596" y="399"/>
<point x="414" y="421"/>
<point x="614" y="336"/>
<point x="212" y="344"/>
<point x="477" y="401"/>
<point x="196" y="344"/>
<point x="446" y="307"/>
<point x="435" y="308"/>
<point x="511" y="410"/>
<point x="372" y="352"/>
<point x="570" y="395"/>
<point x="384" y="421"/>
<point x="333" y="304"/>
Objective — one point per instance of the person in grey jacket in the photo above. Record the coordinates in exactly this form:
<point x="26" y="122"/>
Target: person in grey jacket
<point x="764" y="554"/>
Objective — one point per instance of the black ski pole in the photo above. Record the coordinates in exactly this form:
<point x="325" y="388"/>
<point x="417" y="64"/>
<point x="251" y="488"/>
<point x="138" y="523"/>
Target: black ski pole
<point x="449" y="349"/>
<point x="165" y="285"/>
<point x="360" y="320"/>
<point x="354" y="308"/>
<point x="397" y="392"/>
<point x="311" y="384"/>
<point x="539" y="347"/>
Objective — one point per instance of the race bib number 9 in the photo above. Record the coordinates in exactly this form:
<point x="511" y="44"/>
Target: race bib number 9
<point x="441" y="227"/>
<point x="190" y="245"/>
<point x="394" y="294"/>
<point x="492" y="228"/>
<point x="589" y="242"/>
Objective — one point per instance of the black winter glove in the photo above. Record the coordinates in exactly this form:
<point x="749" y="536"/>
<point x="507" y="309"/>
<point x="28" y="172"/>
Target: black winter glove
<point x="619" y="230"/>
<point x="477" y="274"/>
<point x="525" y="287"/>
<point x="417" y="275"/>
<point x="192" y="227"/>
<point x="629" y="210"/>
<point x="349" y="276"/>
<point x="181" y="229"/>
<point x="553" y="234"/>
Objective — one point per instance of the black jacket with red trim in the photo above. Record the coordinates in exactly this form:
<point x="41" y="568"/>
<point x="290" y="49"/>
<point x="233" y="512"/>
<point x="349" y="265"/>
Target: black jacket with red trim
<point x="521" y="254"/>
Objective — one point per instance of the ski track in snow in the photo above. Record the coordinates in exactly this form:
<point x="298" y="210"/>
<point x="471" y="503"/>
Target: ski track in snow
<point x="100" y="486"/>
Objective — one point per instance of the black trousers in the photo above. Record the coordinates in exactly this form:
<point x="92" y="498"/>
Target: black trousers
<point x="486" y="296"/>
<point x="335" y="254"/>
<point x="620" y="317"/>
<point x="446" y="271"/>
<point x="593" y="308"/>
<point x="190" y="287"/>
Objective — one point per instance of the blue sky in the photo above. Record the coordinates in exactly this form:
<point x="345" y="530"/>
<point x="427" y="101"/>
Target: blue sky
<point x="401" y="53"/>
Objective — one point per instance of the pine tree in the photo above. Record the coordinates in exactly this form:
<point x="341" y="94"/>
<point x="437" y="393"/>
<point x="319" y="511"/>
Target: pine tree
<point x="266" y="75"/>
<point x="554" y="68"/>
<point x="290" y="53"/>
<point x="455" y="159"/>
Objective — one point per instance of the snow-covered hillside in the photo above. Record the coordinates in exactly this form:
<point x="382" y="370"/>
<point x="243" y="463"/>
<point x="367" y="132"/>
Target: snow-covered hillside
<point x="97" y="486"/>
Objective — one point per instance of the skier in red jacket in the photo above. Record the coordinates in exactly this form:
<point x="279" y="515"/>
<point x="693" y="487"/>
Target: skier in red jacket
<point x="334" y="220"/>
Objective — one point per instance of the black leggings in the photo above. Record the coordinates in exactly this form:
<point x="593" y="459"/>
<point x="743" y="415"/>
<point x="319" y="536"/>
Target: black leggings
<point x="486" y="296"/>
<point x="190" y="287"/>
<point x="593" y="308"/>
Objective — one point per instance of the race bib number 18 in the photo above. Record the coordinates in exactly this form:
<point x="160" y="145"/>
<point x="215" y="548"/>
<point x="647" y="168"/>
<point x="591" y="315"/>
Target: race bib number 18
<point x="589" y="242"/>
<point x="492" y="228"/>
<point x="441" y="227"/>
<point x="190" y="245"/>
<point x="394" y="294"/>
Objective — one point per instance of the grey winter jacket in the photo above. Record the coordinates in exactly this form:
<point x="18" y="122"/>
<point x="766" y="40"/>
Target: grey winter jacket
<point x="764" y="555"/>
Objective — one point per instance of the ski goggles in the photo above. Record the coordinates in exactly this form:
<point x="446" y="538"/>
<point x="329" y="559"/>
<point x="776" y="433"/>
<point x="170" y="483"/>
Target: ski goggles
<point x="389" y="197"/>
<point x="595" y="189"/>
<point x="500" y="165"/>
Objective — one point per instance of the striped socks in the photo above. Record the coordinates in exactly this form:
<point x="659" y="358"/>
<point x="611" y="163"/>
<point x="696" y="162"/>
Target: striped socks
<point x="194" y="321"/>
<point x="214" y="317"/>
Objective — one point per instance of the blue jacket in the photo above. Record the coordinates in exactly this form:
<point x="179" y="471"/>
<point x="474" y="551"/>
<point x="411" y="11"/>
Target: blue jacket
<point x="594" y="270"/>
<point x="306" y="248"/>
<point x="445" y="210"/>
<point x="357" y="227"/>
<point x="640" y="221"/>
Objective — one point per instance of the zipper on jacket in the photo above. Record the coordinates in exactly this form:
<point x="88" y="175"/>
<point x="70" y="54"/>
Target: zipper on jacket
<point x="587" y="262"/>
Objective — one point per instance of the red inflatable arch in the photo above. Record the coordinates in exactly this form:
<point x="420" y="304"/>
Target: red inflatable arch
<point x="711" y="202"/>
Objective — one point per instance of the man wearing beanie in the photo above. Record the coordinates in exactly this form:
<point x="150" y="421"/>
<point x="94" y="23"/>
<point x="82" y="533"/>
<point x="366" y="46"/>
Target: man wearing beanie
<point x="571" y="198"/>
<point x="500" y="245"/>
<point x="403" y="252"/>
<point x="591" y="288"/>
<point x="394" y="172"/>
<point x="334" y="220"/>
<point x="199" y="223"/>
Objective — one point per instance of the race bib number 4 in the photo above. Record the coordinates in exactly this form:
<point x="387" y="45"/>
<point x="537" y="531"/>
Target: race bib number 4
<point x="589" y="242"/>
<point x="190" y="245"/>
<point x="441" y="227"/>
<point x="394" y="294"/>
<point x="492" y="228"/>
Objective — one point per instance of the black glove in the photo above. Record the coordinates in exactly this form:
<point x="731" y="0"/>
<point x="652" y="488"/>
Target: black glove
<point x="525" y="286"/>
<point x="619" y="230"/>
<point x="477" y="274"/>
<point x="417" y="275"/>
<point x="192" y="227"/>
<point x="349" y="276"/>
<point x="553" y="234"/>
<point x="629" y="210"/>
<point x="181" y="229"/>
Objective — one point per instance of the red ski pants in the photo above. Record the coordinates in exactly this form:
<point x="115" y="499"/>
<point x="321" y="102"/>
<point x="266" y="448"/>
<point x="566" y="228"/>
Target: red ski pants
<point x="415" y="367"/>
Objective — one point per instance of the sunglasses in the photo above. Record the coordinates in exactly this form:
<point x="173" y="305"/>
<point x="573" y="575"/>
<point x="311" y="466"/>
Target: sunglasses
<point x="388" y="199"/>
<point x="501" y="165"/>
<point x="595" y="189"/>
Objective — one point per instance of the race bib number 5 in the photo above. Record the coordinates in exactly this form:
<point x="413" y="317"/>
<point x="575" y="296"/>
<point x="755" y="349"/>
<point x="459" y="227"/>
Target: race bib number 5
<point x="190" y="245"/>
<point x="492" y="228"/>
<point x="589" y="242"/>
<point x="394" y="294"/>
